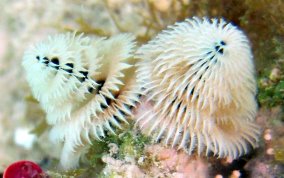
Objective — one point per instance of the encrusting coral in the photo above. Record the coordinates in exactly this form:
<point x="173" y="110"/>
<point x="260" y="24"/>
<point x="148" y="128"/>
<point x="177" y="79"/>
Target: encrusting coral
<point x="199" y="76"/>
<point x="85" y="86"/>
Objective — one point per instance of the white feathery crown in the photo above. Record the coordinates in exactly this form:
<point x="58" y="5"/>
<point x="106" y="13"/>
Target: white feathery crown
<point x="199" y="77"/>
<point x="85" y="86"/>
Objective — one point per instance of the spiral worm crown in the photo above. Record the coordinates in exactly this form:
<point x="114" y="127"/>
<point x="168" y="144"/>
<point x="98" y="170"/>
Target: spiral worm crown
<point x="199" y="76"/>
<point x="85" y="85"/>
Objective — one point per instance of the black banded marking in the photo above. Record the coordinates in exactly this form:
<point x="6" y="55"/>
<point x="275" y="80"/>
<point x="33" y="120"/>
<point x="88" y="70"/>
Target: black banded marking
<point x="203" y="64"/>
<point x="192" y="91"/>
<point x="217" y="47"/>
<point x="186" y="87"/>
<point x="70" y="71"/>
<point x="55" y="61"/>
<point x="101" y="84"/>
<point x="122" y="112"/>
<point x="85" y="73"/>
<point x="220" y="48"/>
<point x="70" y="65"/>
<point x="221" y="51"/>
<point x="103" y="106"/>
<point x="90" y="89"/>
<point x="117" y="119"/>
<point x="108" y="100"/>
<point x="222" y="42"/>
<point x="174" y="100"/>
<point x="45" y="60"/>
<point x="81" y="79"/>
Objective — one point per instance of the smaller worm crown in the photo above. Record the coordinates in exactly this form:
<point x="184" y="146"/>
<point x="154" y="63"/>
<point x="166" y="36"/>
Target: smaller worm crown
<point x="57" y="67"/>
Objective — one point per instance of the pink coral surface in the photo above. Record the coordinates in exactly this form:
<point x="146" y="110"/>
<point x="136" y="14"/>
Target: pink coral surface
<point x="178" y="163"/>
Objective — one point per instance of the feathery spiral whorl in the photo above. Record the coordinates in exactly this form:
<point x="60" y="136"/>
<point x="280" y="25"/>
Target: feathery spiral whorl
<point x="199" y="76"/>
<point x="85" y="85"/>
